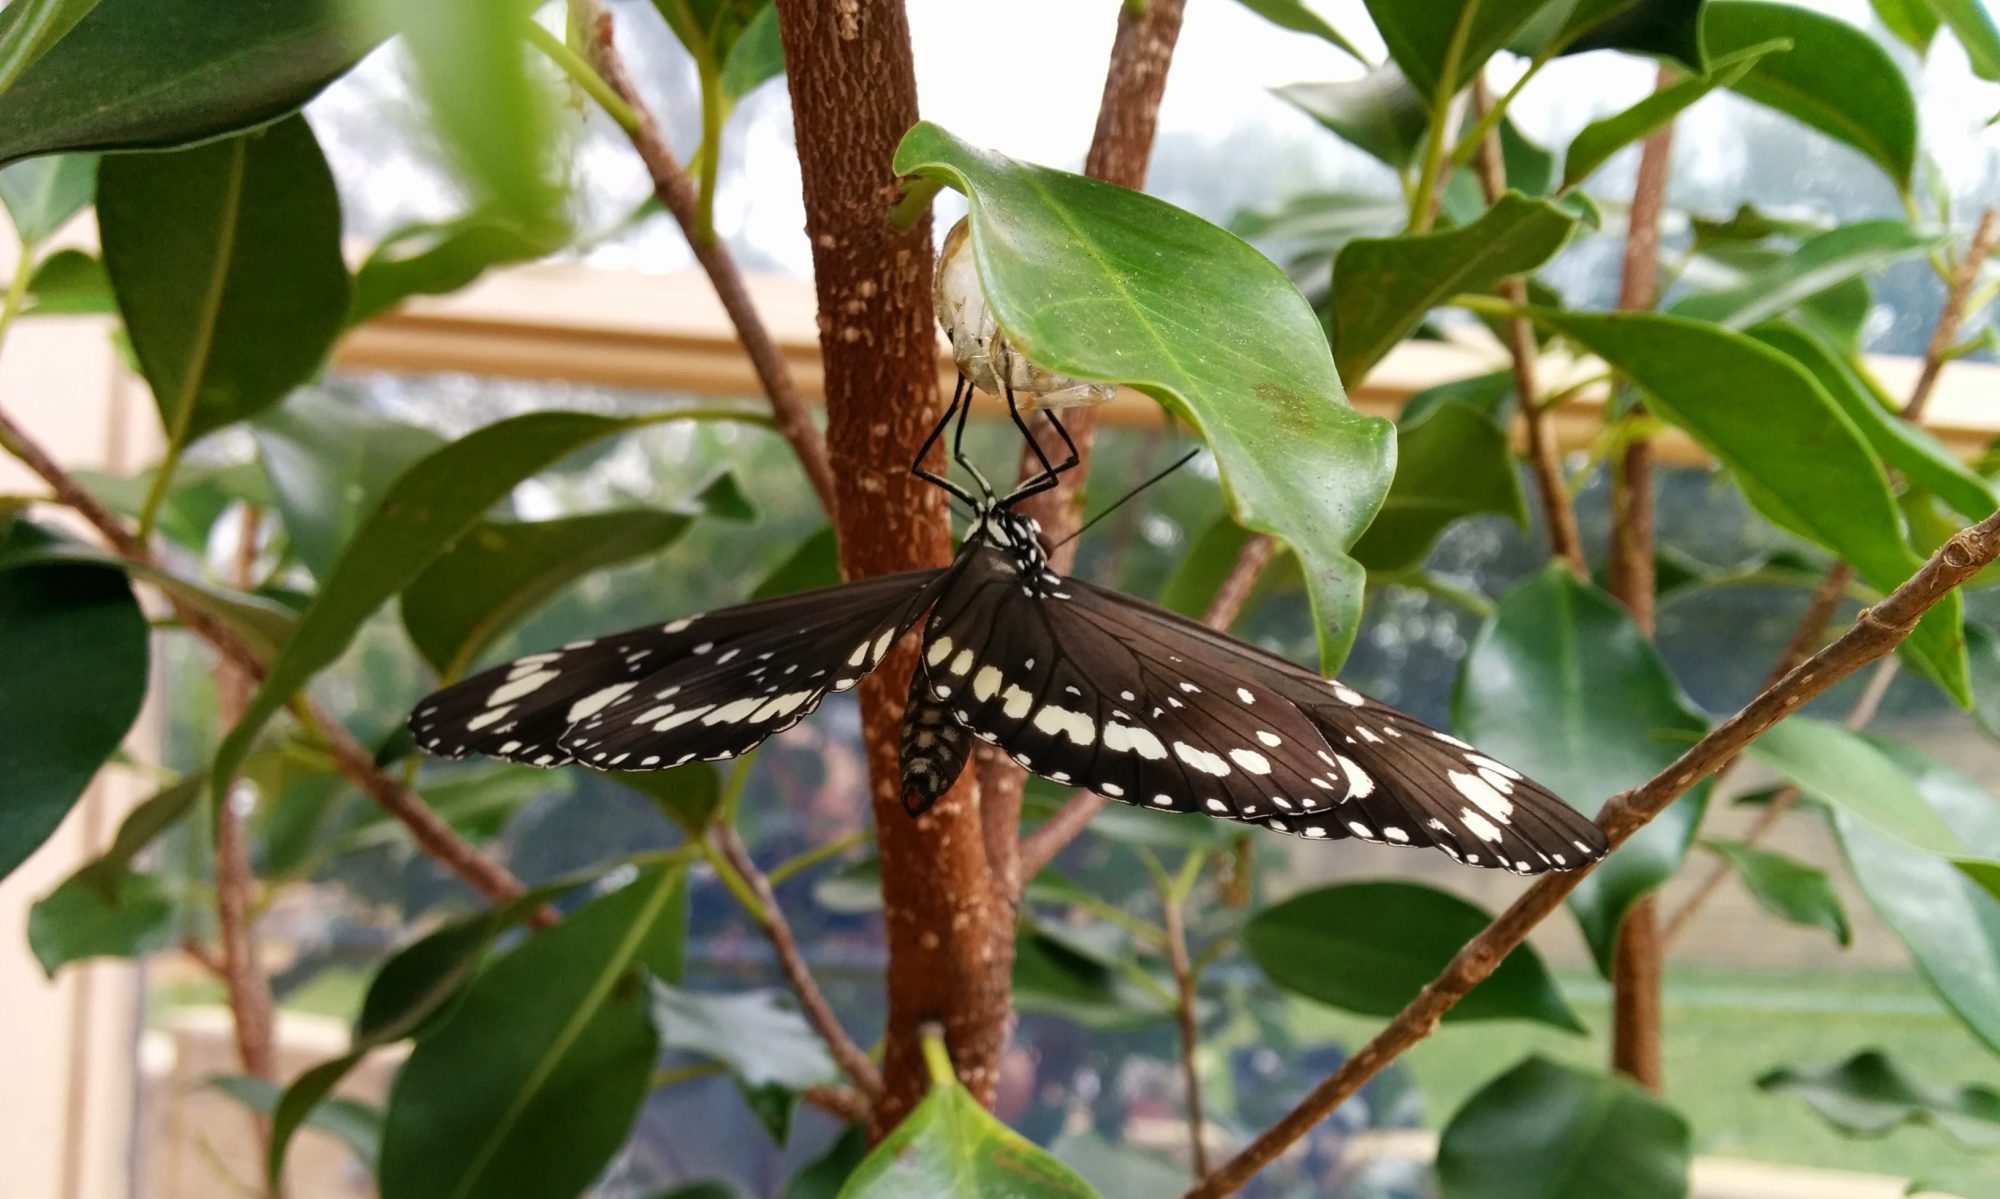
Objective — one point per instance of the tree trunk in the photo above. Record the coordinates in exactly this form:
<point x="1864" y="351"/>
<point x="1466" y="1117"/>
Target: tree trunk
<point x="950" y="931"/>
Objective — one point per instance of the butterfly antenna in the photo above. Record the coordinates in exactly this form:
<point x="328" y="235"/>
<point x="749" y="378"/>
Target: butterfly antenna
<point x="1183" y="460"/>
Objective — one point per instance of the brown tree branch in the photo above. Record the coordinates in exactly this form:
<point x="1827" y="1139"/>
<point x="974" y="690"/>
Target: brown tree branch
<point x="1048" y="838"/>
<point x="1120" y="150"/>
<point x="1175" y="918"/>
<point x="431" y="833"/>
<point x="250" y="1003"/>
<point x="675" y="190"/>
<point x="850" y="1057"/>
<point x="1544" y="460"/>
<point x="1984" y="237"/>
<point x="1638" y="960"/>
<point x="1875" y="632"/>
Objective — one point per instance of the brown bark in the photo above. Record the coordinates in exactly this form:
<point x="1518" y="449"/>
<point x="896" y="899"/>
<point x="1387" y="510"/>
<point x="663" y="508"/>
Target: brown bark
<point x="1637" y="967"/>
<point x="1120" y="150"/>
<point x="1875" y="632"/>
<point x="950" y="931"/>
<point x="250" y="1005"/>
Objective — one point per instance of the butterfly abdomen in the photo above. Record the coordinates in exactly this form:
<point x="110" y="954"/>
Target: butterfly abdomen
<point x="934" y="748"/>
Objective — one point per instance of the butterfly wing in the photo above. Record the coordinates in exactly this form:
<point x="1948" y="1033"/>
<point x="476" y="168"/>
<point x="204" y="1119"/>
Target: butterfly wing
<point x="1088" y="686"/>
<point x="712" y="685"/>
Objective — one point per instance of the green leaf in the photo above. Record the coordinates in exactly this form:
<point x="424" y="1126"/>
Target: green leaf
<point x="1491" y="394"/>
<point x="759" y="1036"/>
<point x="1914" y="22"/>
<point x="1453" y="461"/>
<point x="1949" y="923"/>
<point x="1546" y="1131"/>
<point x="1836" y="78"/>
<point x="329" y="463"/>
<point x="1819" y="262"/>
<point x="1786" y="887"/>
<point x="1922" y="458"/>
<point x="1747" y="224"/>
<point x="822" y="1177"/>
<point x="1102" y="283"/>
<point x="477" y="804"/>
<point x="1849" y="771"/>
<point x="1298" y="17"/>
<point x="226" y="262"/>
<point x="1119" y="1169"/>
<point x="1370" y="947"/>
<point x="1972" y="21"/>
<point x="1382" y="287"/>
<point x="1312" y="225"/>
<point x="814" y="563"/>
<point x="1419" y="36"/>
<point x="500" y="571"/>
<point x="1596" y="142"/>
<point x="535" y="1079"/>
<point x="357" y="1125"/>
<point x="1656" y="28"/>
<point x="406" y="997"/>
<point x="1379" y="113"/>
<point x="148" y="73"/>
<point x="1563" y="685"/>
<point x="1869" y="1095"/>
<point x="432" y="503"/>
<point x="952" y="1146"/>
<point x="1201" y="569"/>
<point x="73" y="652"/>
<point x="1982" y="648"/>
<point x="688" y="795"/>
<point x="38" y="25"/>
<point x="1061" y="970"/>
<point x="77" y="921"/>
<point x="105" y="873"/>
<point x="493" y="110"/>
<point x="197" y="497"/>
<point x="1530" y="168"/>
<point x="438" y="258"/>
<point x="69" y="283"/>
<point x="757" y="57"/>
<point x="41" y="196"/>
<point x="1799" y="460"/>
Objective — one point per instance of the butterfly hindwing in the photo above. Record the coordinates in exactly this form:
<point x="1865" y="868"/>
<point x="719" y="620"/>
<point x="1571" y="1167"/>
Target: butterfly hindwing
<point x="706" y="686"/>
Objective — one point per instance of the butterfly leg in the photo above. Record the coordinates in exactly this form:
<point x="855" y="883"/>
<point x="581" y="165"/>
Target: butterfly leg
<point x="961" y="401"/>
<point x="1050" y="471"/>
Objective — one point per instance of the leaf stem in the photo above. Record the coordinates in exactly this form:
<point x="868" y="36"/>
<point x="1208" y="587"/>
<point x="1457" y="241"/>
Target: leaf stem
<point x="1423" y="201"/>
<point x="580" y="73"/>
<point x="800" y="862"/>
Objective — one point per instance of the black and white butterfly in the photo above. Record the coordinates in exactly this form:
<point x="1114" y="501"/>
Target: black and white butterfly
<point x="1078" y="684"/>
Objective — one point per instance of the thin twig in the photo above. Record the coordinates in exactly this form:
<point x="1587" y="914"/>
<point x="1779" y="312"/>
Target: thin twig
<point x="431" y="833"/>
<point x="1175" y="919"/>
<point x="1875" y="632"/>
<point x="672" y="185"/>
<point x="818" y="1012"/>
<point x="1048" y="838"/>
<point x="1966" y="274"/>
<point x="1544" y="460"/>
<point x="1121" y="147"/>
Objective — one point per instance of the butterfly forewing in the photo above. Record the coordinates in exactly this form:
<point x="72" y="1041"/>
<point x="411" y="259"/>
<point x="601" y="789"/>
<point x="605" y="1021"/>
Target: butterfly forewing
<point x="707" y="686"/>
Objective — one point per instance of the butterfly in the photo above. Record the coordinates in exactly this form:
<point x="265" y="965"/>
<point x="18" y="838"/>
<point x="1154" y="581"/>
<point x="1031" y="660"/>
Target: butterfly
<point x="1077" y="683"/>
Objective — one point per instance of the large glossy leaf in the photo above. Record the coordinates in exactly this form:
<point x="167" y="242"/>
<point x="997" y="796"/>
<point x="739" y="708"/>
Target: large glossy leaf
<point x="1596" y="142"/>
<point x="153" y="816"/>
<point x="952" y="1146"/>
<point x="73" y="657"/>
<point x="1870" y="1095"/>
<point x="437" y="258"/>
<point x="1835" y="78"/>
<point x="225" y="259"/>
<point x="36" y="26"/>
<point x="1383" y="286"/>
<point x="1914" y="22"/>
<point x="1658" y="28"/>
<point x="1786" y="887"/>
<point x="1379" y="113"/>
<point x="1563" y="685"/>
<point x="1819" y="262"/>
<point x="41" y="196"/>
<point x="1299" y="17"/>
<point x="1949" y="923"/>
<point x="77" y="921"/>
<point x="1546" y="1131"/>
<point x="1103" y="283"/>
<point x="328" y="463"/>
<point x="1419" y="36"/>
<point x="1453" y="461"/>
<point x="757" y="57"/>
<point x="534" y="1081"/>
<point x="1972" y="21"/>
<point x="407" y="996"/>
<point x="1799" y="460"/>
<point x="1370" y="947"/>
<point x="1922" y="458"/>
<point x="149" y="73"/>
<point x="69" y="283"/>
<point x="431" y="504"/>
<point x="1851" y="772"/>
<point x="500" y="571"/>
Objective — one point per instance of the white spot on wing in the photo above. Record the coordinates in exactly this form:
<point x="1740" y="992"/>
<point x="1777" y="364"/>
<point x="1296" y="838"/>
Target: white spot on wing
<point x="514" y="689"/>
<point x="596" y="701"/>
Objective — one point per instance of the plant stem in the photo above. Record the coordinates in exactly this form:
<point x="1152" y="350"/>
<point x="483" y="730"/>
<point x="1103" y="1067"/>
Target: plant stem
<point x="1423" y="201"/>
<point x="580" y="73"/>
<point x="1172" y="909"/>
<point x="1875" y="632"/>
